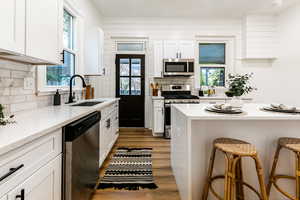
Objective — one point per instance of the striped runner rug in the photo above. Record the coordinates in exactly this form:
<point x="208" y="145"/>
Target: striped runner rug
<point x="129" y="169"/>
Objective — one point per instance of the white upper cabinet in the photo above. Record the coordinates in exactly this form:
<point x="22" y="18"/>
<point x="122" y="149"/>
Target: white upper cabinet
<point x="12" y="20"/>
<point x="171" y="49"/>
<point x="94" y="61"/>
<point x="44" y="29"/>
<point x="179" y="49"/>
<point x="158" y="58"/>
<point x="187" y="49"/>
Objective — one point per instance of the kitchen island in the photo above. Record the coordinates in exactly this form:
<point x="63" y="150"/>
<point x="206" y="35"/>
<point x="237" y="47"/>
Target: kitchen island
<point x="194" y="129"/>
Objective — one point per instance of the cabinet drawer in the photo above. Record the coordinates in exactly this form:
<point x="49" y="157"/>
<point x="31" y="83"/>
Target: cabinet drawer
<point x="109" y="109"/>
<point x="43" y="184"/>
<point x="158" y="103"/>
<point x="17" y="165"/>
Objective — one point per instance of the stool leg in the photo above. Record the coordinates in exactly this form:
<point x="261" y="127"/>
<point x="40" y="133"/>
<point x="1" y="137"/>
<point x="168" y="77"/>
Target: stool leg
<point x="229" y="178"/>
<point x="209" y="174"/>
<point x="240" y="195"/>
<point x="272" y="174"/>
<point x="260" y="175"/>
<point x="298" y="176"/>
<point x="234" y="187"/>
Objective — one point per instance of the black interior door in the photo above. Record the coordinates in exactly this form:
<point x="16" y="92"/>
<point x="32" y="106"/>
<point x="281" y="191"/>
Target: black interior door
<point x="130" y="87"/>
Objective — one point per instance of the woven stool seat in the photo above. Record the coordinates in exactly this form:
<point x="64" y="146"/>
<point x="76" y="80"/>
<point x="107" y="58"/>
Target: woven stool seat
<point x="235" y="147"/>
<point x="290" y="143"/>
<point x="234" y="150"/>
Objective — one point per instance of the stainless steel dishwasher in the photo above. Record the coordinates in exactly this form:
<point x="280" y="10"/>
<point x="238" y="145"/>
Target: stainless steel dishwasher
<point x="81" y="157"/>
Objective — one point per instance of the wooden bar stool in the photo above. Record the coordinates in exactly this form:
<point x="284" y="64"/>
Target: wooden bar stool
<point x="234" y="150"/>
<point x="292" y="144"/>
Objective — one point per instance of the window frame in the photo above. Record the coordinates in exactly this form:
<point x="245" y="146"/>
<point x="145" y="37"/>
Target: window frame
<point x="229" y="65"/>
<point x="128" y="41"/>
<point x="77" y="51"/>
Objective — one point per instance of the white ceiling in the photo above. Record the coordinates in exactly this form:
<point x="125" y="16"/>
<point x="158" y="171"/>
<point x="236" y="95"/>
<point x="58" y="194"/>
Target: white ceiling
<point x="185" y="8"/>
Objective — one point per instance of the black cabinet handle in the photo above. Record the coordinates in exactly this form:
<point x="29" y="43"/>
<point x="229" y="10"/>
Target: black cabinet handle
<point x="22" y="195"/>
<point x="11" y="171"/>
<point x="108" y="123"/>
<point x="63" y="57"/>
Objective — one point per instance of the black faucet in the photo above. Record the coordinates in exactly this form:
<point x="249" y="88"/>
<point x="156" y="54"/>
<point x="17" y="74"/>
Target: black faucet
<point x="71" y="85"/>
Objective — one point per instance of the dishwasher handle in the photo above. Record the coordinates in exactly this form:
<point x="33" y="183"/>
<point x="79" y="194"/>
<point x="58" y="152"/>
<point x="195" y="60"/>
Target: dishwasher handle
<point x="79" y="127"/>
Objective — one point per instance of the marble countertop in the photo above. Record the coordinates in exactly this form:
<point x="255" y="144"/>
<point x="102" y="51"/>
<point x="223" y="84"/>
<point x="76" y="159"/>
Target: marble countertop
<point x="36" y="123"/>
<point x="251" y="112"/>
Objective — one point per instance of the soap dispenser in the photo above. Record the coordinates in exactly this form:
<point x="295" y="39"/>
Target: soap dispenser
<point x="57" y="99"/>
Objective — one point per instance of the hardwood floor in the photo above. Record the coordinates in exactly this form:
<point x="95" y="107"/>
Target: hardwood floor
<point x="162" y="172"/>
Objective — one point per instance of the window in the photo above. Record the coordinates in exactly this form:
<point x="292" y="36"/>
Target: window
<point x="130" y="46"/>
<point x="212" y="61"/>
<point x="213" y="76"/>
<point x="212" y="53"/>
<point x="60" y="75"/>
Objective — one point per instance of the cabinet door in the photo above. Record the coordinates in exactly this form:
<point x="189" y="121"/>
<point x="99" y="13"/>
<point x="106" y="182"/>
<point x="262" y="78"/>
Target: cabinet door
<point x="186" y="49"/>
<point x="44" y="29"/>
<point x="159" y="120"/>
<point x="44" y="184"/>
<point x="12" y="20"/>
<point x="158" y="58"/>
<point x="170" y="49"/>
<point x="94" y="52"/>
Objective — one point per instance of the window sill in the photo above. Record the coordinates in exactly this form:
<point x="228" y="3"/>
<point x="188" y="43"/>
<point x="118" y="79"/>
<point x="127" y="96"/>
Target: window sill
<point x="48" y="92"/>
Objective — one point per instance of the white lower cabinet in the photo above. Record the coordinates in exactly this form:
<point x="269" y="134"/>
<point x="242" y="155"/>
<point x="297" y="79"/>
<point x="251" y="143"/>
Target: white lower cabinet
<point x="44" y="184"/>
<point x="158" y="116"/>
<point x="109" y="128"/>
<point x="33" y="171"/>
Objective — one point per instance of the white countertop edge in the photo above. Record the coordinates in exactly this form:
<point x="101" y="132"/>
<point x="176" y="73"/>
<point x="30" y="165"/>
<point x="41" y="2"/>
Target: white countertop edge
<point x="24" y="140"/>
<point x="158" y="97"/>
<point x="239" y="117"/>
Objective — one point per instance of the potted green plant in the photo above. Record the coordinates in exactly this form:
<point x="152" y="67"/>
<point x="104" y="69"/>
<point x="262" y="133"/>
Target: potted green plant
<point x="3" y="120"/>
<point x="239" y="85"/>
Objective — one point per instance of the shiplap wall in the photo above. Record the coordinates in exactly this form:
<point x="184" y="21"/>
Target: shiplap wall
<point x="259" y="36"/>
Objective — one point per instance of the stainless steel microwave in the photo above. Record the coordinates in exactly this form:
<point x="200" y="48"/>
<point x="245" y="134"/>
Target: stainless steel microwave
<point x="178" y="67"/>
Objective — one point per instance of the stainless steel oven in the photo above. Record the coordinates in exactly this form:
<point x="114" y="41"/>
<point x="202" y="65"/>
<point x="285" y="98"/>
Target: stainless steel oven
<point x="178" y="67"/>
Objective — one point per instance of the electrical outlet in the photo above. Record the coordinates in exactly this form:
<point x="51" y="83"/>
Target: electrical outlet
<point x="28" y="83"/>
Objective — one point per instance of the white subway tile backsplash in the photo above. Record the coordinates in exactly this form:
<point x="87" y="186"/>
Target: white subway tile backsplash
<point x="12" y="93"/>
<point x="23" y="106"/>
<point x="4" y="73"/>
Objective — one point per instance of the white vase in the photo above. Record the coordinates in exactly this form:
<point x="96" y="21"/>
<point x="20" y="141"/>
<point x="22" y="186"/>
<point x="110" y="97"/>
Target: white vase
<point x="236" y="102"/>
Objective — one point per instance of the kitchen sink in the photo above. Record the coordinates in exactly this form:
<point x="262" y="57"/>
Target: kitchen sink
<point x="88" y="103"/>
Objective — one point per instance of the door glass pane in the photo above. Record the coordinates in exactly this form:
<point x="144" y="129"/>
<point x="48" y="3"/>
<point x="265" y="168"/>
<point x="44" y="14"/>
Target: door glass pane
<point x="135" y="67"/>
<point x="135" y="86"/>
<point x="60" y="75"/>
<point x="124" y="67"/>
<point x="124" y="86"/>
